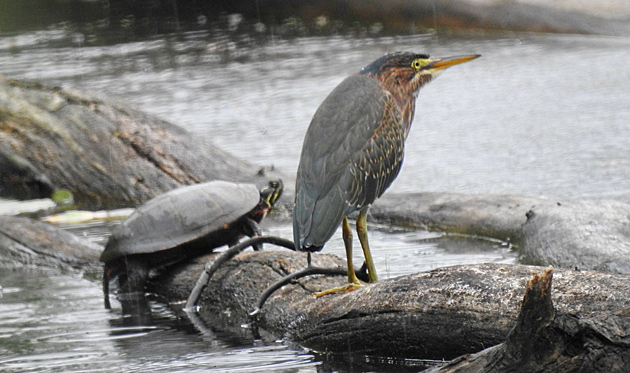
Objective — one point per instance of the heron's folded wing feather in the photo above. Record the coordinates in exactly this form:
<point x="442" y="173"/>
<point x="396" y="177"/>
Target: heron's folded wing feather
<point x="352" y="152"/>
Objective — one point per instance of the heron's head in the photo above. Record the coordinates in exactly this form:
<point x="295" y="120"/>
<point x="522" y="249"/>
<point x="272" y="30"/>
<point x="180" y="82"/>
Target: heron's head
<point x="404" y="73"/>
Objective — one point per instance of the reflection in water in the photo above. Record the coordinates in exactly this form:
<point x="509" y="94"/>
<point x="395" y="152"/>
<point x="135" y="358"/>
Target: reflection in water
<point x="360" y="363"/>
<point x="135" y="309"/>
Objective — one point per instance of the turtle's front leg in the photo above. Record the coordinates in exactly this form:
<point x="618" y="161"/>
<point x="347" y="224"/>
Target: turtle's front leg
<point x="251" y="229"/>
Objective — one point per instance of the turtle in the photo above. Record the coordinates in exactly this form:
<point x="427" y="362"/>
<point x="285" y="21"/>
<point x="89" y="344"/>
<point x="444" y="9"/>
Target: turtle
<point x="181" y="224"/>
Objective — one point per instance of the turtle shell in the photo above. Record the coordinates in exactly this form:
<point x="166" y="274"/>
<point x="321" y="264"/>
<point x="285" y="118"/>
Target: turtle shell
<point x="180" y="216"/>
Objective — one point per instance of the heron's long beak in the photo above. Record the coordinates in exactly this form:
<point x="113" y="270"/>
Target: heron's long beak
<point x="443" y="63"/>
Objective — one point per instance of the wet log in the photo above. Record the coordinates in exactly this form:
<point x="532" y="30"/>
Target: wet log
<point x="106" y="153"/>
<point x="582" y="234"/>
<point x="546" y="340"/>
<point x="26" y="242"/>
<point x="609" y="17"/>
<point x="439" y="314"/>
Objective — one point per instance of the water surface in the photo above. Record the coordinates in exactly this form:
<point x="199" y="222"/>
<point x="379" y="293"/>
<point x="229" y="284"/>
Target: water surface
<point x="56" y="323"/>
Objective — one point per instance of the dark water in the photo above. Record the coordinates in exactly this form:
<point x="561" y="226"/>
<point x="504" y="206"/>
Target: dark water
<point x="539" y="115"/>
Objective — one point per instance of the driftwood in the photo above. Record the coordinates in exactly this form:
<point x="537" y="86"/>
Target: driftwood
<point x="397" y="17"/>
<point x="587" y="235"/>
<point x="593" y="235"/>
<point x="610" y="16"/>
<point x="104" y="152"/>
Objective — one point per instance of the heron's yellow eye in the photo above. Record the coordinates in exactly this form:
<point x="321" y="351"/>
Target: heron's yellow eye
<point x="419" y="63"/>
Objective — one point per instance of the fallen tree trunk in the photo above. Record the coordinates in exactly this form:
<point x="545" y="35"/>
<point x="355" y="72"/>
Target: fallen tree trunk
<point x="109" y="155"/>
<point x="590" y="235"/>
<point x="582" y="234"/>
<point x="497" y="216"/>
<point x="105" y="153"/>
<point x="439" y="314"/>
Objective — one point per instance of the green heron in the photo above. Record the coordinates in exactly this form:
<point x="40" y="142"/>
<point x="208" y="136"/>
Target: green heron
<point x="353" y="151"/>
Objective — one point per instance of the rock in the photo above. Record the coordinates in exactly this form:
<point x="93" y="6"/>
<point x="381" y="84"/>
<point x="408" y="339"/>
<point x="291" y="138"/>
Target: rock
<point x="105" y="153"/>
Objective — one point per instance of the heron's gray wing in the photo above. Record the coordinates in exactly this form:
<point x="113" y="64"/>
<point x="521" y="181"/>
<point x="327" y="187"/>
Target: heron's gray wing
<point x="352" y="152"/>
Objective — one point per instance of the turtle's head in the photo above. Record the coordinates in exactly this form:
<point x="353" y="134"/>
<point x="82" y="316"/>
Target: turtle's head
<point x="270" y="194"/>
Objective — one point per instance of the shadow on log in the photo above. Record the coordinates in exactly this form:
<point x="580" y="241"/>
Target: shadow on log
<point x="105" y="153"/>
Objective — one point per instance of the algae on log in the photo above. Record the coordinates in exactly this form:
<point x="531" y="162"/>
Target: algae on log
<point x="582" y="234"/>
<point x="439" y="314"/>
<point x="104" y="152"/>
<point x="26" y="242"/>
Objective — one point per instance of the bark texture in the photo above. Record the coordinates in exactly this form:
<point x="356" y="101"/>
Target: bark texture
<point x="547" y="340"/>
<point x="440" y="314"/>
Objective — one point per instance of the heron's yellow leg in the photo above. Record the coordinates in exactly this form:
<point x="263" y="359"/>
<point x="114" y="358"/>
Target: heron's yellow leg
<point x="353" y="281"/>
<point x="347" y="241"/>
<point x="363" y="237"/>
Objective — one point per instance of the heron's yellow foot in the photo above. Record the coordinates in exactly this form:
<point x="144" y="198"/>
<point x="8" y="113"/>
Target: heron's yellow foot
<point x="348" y="287"/>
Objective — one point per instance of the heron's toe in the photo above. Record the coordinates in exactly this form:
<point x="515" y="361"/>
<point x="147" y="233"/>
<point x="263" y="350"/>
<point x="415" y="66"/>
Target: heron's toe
<point x="348" y="287"/>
